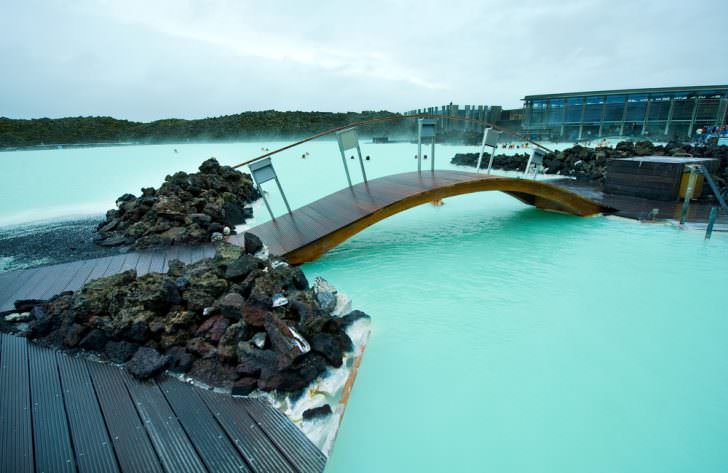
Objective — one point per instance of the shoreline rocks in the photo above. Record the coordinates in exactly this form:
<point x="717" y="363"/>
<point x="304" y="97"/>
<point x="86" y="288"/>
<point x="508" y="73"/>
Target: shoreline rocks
<point x="213" y="320"/>
<point x="186" y="209"/>
<point x="590" y="164"/>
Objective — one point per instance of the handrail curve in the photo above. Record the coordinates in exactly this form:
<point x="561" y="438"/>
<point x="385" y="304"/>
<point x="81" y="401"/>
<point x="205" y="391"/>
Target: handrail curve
<point x="386" y="119"/>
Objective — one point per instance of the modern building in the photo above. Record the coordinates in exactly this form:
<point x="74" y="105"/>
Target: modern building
<point x="658" y="113"/>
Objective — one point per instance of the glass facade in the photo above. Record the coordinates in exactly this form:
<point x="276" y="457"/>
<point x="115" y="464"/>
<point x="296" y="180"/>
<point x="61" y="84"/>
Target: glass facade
<point x="672" y="113"/>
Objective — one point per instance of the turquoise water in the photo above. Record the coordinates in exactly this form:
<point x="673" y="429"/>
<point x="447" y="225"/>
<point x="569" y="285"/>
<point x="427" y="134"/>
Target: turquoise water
<point x="504" y="338"/>
<point x="40" y="185"/>
<point x="513" y="340"/>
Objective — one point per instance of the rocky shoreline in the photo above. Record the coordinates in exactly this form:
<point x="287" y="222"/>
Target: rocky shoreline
<point x="238" y="321"/>
<point x="590" y="164"/>
<point x="186" y="209"/>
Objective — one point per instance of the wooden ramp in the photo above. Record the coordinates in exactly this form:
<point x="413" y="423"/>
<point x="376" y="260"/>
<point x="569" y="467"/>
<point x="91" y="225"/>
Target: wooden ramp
<point x="46" y="281"/>
<point x="310" y="231"/>
<point x="59" y="413"/>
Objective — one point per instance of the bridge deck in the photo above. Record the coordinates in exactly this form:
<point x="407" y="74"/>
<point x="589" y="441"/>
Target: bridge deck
<point x="302" y="235"/>
<point x="60" y="413"/>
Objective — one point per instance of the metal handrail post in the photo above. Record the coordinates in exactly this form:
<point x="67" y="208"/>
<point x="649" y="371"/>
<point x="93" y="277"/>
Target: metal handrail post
<point x="361" y="162"/>
<point x="711" y="221"/>
<point x="346" y="167"/>
<point x="419" y="147"/>
<point x="482" y="149"/>
<point x="267" y="205"/>
<point x="432" y="163"/>
<point x="712" y="185"/>
<point x="492" y="157"/>
<point x="283" y="194"/>
<point x="688" y="194"/>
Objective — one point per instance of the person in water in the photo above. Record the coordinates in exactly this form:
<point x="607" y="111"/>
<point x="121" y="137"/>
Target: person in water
<point x="367" y="158"/>
<point x="424" y="157"/>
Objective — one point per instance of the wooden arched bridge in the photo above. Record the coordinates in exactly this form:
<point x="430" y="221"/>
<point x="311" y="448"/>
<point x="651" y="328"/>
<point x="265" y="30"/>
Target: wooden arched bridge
<point x="308" y="232"/>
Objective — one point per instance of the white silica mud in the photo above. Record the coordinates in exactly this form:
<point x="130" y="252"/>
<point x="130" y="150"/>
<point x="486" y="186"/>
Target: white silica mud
<point x="331" y="389"/>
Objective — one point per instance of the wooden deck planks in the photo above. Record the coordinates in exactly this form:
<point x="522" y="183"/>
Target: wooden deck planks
<point x="144" y="262"/>
<point x="60" y="276"/>
<point x="82" y="275"/>
<point x="170" y="441"/>
<point x="115" y="265"/>
<point x="61" y="413"/>
<point x="91" y="442"/>
<point x="293" y="443"/>
<point x="20" y="278"/>
<point x="157" y="263"/>
<point x="203" y="429"/>
<point x="130" y="440"/>
<point x="52" y="438"/>
<point x="16" y="425"/>
<point x="250" y="440"/>
<point x="101" y="265"/>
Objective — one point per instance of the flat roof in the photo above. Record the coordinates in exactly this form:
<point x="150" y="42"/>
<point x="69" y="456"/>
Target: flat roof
<point x="691" y="88"/>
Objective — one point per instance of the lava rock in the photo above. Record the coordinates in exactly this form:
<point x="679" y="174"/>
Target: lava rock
<point x="317" y="412"/>
<point x="195" y="320"/>
<point x="231" y="306"/>
<point x="95" y="340"/>
<point x="239" y="269"/>
<point x="329" y="346"/>
<point x="186" y="209"/>
<point x="27" y="305"/>
<point x="252" y="243"/>
<point x="244" y="386"/>
<point x="351" y="317"/>
<point x="120" y="351"/>
<point x="146" y="363"/>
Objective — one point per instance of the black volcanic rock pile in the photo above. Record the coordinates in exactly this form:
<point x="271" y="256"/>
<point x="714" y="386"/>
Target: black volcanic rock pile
<point x="233" y="321"/>
<point x="590" y="164"/>
<point x="186" y="209"/>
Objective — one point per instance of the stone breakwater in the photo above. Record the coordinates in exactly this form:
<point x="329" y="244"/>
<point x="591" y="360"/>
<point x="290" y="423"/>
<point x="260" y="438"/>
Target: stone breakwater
<point x="235" y="321"/>
<point x="590" y="164"/>
<point x="186" y="209"/>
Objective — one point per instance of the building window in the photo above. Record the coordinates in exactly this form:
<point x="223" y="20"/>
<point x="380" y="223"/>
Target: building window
<point x="593" y="110"/>
<point x="614" y="108"/>
<point x="707" y="109"/>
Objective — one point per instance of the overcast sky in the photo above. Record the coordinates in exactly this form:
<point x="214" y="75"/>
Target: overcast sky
<point x="145" y="60"/>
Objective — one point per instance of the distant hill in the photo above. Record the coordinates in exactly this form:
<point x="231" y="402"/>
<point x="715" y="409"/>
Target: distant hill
<point x="243" y="126"/>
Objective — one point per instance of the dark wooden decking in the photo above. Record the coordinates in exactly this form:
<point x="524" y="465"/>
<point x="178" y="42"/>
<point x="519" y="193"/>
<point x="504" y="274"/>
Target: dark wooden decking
<point x="46" y="281"/>
<point x="639" y="208"/>
<point x="60" y="413"/>
<point x="308" y="232"/>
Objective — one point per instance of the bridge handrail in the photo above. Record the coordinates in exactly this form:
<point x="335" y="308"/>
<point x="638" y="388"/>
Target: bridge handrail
<point x="387" y="119"/>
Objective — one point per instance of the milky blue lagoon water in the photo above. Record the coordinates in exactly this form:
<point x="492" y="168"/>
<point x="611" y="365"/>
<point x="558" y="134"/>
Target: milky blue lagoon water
<point x="504" y="338"/>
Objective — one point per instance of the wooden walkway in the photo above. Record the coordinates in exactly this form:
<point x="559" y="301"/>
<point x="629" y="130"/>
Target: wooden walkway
<point x="310" y="231"/>
<point x="64" y="414"/>
<point x="46" y="281"/>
